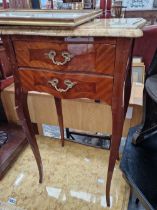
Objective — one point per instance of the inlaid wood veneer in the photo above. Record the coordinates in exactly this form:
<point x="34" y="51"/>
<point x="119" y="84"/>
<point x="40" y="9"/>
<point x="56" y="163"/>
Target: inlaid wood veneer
<point x="94" y="57"/>
<point x="91" y="61"/>
<point x="86" y="86"/>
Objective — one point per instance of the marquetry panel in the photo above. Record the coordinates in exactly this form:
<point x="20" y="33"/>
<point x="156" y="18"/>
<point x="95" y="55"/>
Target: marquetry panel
<point x="86" y="57"/>
<point x="86" y="86"/>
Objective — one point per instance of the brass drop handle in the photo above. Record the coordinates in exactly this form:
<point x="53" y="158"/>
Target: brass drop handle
<point x="54" y="82"/>
<point x="66" y="55"/>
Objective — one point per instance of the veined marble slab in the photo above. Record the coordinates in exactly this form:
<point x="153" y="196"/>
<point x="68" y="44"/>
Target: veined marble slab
<point x="124" y="27"/>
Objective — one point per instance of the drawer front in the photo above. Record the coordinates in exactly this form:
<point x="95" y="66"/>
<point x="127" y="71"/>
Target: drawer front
<point x="86" y="57"/>
<point x="69" y="85"/>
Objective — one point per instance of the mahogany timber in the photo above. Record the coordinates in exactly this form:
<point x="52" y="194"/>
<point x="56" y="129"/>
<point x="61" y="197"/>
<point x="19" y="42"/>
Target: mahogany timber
<point x="6" y="77"/>
<point x="122" y="67"/>
<point x="87" y="85"/>
<point x="109" y="85"/>
<point x="95" y="57"/>
<point x="22" y="107"/>
<point x="58" y="104"/>
<point x="15" y="144"/>
<point x="16" y="138"/>
<point x="5" y="67"/>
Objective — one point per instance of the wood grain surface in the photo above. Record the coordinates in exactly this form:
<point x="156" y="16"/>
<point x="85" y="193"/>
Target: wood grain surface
<point x="87" y="86"/>
<point x="86" y="57"/>
<point x="98" y="70"/>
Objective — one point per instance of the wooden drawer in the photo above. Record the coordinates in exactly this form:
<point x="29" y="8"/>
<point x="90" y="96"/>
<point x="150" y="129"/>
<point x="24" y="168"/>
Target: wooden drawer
<point x="86" y="57"/>
<point x="69" y="85"/>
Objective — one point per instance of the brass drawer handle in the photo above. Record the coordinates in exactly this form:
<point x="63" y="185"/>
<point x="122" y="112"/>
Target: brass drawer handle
<point x="66" y="55"/>
<point x="54" y="82"/>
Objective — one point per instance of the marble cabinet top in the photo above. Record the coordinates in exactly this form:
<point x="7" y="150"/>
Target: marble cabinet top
<point x="124" y="27"/>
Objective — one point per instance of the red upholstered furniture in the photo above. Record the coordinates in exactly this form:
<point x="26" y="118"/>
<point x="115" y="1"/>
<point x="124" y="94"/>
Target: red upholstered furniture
<point x="146" y="46"/>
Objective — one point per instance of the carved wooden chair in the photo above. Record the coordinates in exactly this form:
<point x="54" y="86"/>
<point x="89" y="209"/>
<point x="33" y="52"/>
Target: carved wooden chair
<point x="149" y="124"/>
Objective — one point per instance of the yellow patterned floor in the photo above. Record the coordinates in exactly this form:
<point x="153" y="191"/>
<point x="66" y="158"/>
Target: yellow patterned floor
<point x="74" y="179"/>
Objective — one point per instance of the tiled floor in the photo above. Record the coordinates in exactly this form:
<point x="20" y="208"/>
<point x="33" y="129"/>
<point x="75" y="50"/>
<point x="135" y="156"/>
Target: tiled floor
<point x="74" y="179"/>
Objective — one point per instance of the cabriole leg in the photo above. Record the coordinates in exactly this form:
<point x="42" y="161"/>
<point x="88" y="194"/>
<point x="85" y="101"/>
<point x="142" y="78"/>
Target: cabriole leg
<point x="24" y="117"/>
<point x="117" y="127"/>
<point x="58" y="104"/>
